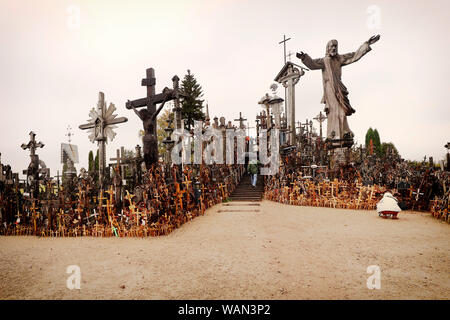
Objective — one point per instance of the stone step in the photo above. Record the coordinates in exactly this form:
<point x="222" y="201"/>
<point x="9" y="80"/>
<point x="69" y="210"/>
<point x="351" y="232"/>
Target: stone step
<point x="246" y="192"/>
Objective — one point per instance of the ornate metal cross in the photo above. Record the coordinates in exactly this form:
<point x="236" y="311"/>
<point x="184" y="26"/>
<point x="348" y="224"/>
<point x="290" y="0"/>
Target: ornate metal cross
<point x="100" y="126"/>
<point x="320" y="118"/>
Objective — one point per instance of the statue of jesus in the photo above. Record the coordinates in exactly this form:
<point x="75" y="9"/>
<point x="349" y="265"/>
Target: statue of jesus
<point x="337" y="105"/>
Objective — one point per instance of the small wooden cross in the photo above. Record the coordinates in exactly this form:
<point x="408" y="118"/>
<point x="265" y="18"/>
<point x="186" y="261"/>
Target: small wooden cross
<point x="79" y="210"/>
<point x="179" y="195"/>
<point x="241" y="121"/>
<point x="129" y="196"/>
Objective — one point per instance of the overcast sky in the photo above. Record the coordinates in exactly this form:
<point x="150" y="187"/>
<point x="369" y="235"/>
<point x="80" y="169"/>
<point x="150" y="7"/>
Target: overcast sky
<point x="51" y="68"/>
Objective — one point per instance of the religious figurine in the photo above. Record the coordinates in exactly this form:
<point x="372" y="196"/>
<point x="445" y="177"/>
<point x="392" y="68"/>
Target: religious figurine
<point x="222" y="122"/>
<point x="337" y="105"/>
<point x="149" y="141"/>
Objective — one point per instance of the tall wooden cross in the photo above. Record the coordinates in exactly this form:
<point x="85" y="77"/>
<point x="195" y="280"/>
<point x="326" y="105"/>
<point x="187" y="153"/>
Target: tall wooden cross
<point x="241" y="121"/>
<point x="33" y="169"/>
<point x="284" y="45"/>
<point x="257" y="126"/>
<point x="320" y="118"/>
<point x="148" y="117"/>
<point x="121" y="161"/>
<point x="101" y="125"/>
<point x="32" y="144"/>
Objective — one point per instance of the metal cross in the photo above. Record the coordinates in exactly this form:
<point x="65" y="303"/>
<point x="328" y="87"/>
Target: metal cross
<point x="320" y="118"/>
<point x="284" y="45"/>
<point x="69" y="133"/>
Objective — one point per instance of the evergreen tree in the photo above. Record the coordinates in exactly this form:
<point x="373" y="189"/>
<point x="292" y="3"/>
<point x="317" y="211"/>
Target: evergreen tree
<point x="369" y="136"/>
<point x="91" y="161"/>
<point x="192" y="105"/>
<point x="96" y="163"/>
<point x="376" y="142"/>
<point x="388" y="147"/>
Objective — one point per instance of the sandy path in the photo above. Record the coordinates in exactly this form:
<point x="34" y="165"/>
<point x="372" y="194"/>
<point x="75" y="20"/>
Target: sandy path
<point x="280" y="252"/>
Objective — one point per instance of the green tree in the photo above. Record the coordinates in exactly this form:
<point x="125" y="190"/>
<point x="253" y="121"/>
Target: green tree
<point x="91" y="161"/>
<point x="192" y="105"/>
<point x="161" y="133"/>
<point x="388" y="147"/>
<point x="376" y="142"/>
<point x="96" y="162"/>
<point x="369" y="136"/>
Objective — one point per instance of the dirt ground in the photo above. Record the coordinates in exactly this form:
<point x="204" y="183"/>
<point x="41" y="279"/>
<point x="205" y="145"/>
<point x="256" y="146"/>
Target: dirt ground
<point x="273" y="251"/>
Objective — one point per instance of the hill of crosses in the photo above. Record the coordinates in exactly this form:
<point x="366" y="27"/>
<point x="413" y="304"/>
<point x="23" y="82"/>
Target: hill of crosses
<point x="201" y="162"/>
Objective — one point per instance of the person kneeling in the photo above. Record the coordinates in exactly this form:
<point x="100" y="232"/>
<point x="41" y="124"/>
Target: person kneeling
<point x="388" y="206"/>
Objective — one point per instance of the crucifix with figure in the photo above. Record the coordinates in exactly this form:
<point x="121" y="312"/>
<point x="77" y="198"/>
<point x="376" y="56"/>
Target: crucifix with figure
<point x="149" y="114"/>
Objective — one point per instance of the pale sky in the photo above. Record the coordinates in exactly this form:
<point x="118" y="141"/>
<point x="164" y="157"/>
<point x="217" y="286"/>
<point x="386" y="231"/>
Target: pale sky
<point x="52" y="69"/>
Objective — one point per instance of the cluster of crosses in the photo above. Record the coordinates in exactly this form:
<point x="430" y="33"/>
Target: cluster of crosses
<point x="138" y="184"/>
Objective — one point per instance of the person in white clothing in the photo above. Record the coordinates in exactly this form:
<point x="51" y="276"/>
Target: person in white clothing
<point x="388" y="205"/>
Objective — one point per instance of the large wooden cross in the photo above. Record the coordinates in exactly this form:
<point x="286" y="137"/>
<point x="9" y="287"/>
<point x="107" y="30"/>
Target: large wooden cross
<point x="101" y="125"/>
<point x="121" y="162"/>
<point x="33" y="169"/>
<point x="149" y="118"/>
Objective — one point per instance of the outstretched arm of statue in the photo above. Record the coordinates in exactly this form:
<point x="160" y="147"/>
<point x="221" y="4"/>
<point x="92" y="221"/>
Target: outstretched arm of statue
<point x="351" y="57"/>
<point x="137" y="113"/>
<point x="373" y="39"/>
<point x="313" y="64"/>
